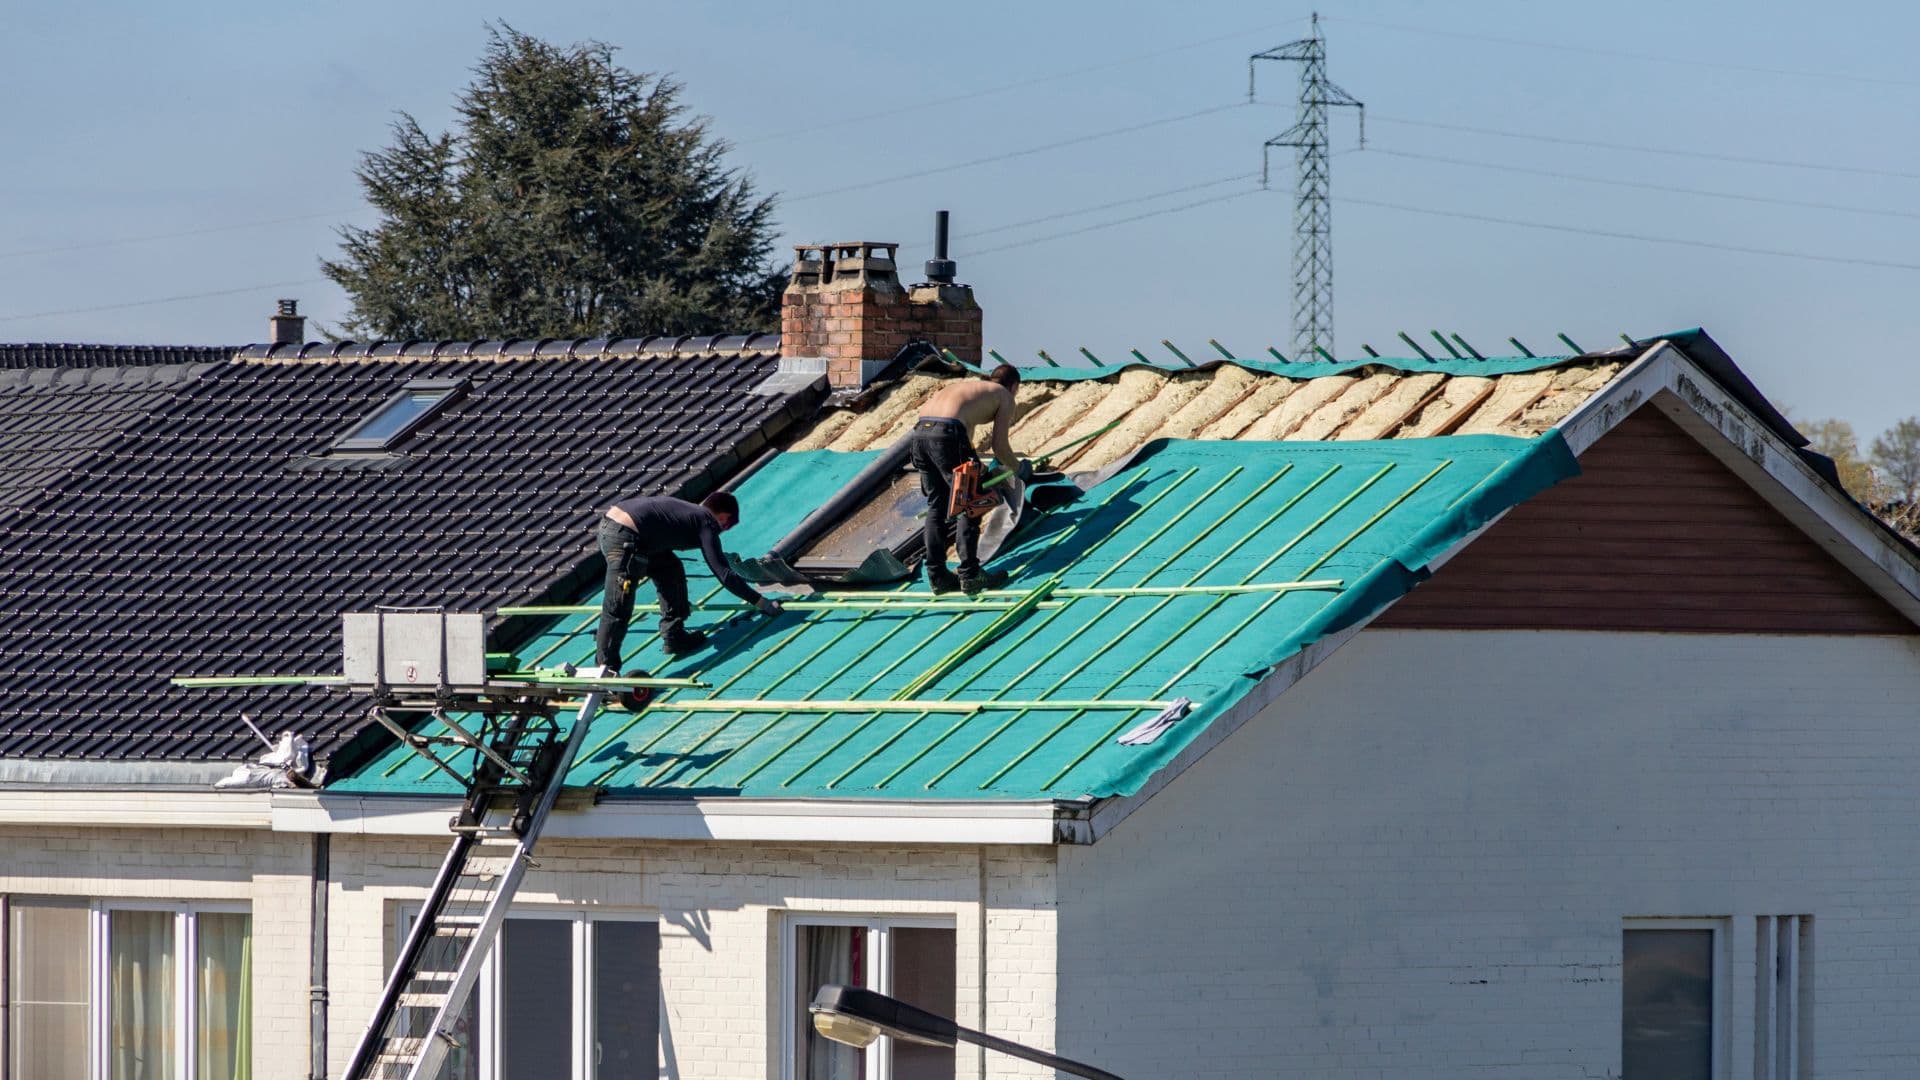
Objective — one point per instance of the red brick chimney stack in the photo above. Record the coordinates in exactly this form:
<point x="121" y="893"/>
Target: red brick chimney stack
<point x="846" y="305"/>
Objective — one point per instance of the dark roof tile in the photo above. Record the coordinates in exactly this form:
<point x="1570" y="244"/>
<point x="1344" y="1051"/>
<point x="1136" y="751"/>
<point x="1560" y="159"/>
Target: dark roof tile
<point x="210" y="533"/>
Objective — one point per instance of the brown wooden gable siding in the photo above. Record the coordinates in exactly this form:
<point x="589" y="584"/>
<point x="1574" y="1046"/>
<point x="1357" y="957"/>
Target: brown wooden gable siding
<point x="1654" y="534"/>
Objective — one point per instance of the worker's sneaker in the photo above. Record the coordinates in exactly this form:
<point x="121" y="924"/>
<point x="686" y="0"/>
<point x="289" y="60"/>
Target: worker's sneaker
<point x="941" y="580"/>
<point x="974" y="584"/>
<point x="682" y="644"/>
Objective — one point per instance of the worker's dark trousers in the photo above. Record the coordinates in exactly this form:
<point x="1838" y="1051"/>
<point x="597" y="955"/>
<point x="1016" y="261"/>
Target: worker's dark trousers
<point x="938" y="446"/>
<point x="626" y="565"/>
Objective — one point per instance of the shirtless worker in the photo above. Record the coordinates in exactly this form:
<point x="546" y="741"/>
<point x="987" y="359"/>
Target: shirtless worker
<point x="639" y="536"/>
<point x="942" y="439"/>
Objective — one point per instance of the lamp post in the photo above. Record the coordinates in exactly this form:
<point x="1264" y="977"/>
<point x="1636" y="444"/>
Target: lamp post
<point x="857" y="1017"/>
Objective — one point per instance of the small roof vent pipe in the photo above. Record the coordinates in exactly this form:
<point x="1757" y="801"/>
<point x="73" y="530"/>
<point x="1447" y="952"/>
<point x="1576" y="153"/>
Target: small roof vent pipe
<point x="940" y="269"/>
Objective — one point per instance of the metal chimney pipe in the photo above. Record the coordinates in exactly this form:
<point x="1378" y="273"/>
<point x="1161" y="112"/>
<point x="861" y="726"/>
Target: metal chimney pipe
<point x="940" y="269"/>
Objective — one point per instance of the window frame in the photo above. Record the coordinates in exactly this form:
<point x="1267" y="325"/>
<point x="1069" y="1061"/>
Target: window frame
<point x="98" y="967"/>
<point x="583" y="1033"/>
<point x="449" y="391"/>
<point x="878" y="976"/>
<point x="1720" y="1011"/>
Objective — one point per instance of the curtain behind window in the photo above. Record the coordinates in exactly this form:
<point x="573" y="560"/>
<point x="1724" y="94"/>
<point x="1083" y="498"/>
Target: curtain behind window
<point x="224" y="976"/>
<point x="47" y="988"/>
<point x="828" y="954"/>
<point x="140" y="1005"/>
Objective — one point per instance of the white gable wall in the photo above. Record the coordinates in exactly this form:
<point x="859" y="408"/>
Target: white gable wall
<point x="1418" y="861"/>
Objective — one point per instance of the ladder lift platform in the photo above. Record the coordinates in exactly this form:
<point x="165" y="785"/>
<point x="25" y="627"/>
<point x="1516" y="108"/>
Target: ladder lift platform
<point x="515" y="762"/>
<point x="512" y="766"/>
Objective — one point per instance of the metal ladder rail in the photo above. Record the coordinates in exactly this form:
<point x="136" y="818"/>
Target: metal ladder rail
<point x="433" y="1044"/>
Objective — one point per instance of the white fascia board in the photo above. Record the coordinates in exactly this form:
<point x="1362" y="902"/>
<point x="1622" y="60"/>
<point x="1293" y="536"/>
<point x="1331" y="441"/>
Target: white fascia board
<point x="778" y="820"/>
<point x="1775" y="471"/>
<point x="136" y="808"/>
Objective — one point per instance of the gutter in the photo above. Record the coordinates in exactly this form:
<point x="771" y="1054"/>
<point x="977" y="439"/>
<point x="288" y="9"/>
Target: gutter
<point x="82" y="774"/>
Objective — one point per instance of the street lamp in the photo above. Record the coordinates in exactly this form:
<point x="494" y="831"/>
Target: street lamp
<point x="856" y="1017"/>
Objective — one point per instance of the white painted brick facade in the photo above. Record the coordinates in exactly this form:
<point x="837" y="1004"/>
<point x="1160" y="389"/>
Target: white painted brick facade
<point x="270" y="872"/>
<point x="1417" y="863"/>
<point x="720" y="908"/>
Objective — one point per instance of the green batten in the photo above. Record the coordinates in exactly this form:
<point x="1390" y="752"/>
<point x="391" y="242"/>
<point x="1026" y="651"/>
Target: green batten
<point x="1189" y="573"/>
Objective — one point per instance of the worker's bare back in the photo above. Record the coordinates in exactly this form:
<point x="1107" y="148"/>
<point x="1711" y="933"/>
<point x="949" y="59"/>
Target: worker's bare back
<point x="970" y="401"/>
<point x="974" y="402"/>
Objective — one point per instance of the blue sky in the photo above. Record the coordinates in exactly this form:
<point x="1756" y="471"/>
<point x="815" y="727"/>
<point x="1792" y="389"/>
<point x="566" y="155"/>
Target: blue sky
<point x="129" y="122"/>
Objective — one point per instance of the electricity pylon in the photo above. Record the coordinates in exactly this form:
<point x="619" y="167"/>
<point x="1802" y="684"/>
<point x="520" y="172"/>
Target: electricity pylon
<point x="1312" y="216"/>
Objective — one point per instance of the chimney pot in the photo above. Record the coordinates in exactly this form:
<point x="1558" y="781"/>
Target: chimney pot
<point x="287" y="326"/>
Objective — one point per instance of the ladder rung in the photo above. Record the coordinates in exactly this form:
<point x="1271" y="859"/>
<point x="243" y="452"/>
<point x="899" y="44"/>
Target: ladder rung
<point x="441" y="929"/>
<point x="448" y="919"/>
<point x="489" y="832"/>
<point x="422" y="1000"/>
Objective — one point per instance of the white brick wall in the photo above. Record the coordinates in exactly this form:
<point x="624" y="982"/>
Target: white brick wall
<point x="1417" y="863"/>
<point x="269" y="872"/>
<point x="720" y="907"/>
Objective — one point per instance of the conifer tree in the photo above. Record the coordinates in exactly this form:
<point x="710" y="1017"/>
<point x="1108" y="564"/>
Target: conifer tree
<point x="573" y="198"/>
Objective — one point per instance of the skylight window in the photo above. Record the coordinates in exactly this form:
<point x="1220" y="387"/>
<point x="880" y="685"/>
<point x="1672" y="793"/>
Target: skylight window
<point x="400" y="415"/>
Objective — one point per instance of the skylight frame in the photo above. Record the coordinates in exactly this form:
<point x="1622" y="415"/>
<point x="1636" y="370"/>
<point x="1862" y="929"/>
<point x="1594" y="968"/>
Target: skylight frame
<point x="447" y="391"/>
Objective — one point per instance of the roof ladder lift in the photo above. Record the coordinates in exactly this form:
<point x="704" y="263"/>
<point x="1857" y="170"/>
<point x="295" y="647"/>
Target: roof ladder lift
<point x="520" y="764"/>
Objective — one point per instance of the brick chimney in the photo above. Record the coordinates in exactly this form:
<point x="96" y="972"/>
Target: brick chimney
<point x="846" y="305"/>
<point x="287" y="326"/>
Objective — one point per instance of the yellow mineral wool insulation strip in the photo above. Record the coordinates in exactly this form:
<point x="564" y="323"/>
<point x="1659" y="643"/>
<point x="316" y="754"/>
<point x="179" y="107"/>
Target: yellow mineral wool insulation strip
<point x="1454" y="404"/>
<point x="890" y="417"/>
<point x="1145" y="423"/>
<point x="827" y="429"/>
<point x="1126" y="394"/>
<point x="1342" y="410"/>
<point x="1509" y="399"/>
<point x="1391" y="409"/>
<point x="1267" y="395"/>
<point x="1041" y="426"/>
<point x="1571" y="386"/>
<point x="1229" y="386"/>
<point x="1299" y="405"/>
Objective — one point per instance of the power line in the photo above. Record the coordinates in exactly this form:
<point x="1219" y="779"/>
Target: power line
<point x="1640" y="149"/>
<point x="120" y="241"/>
<point x="1615" y="182"/>
<point x="1097" y="207"/>
<point x="1011" y="154"/>
<point x="163" y="300"/>
<point x="1623" y="54"/>
<point x="1037" y="80"/>
<point x="1641" y="237"/>
<point x="1110" y="224"/>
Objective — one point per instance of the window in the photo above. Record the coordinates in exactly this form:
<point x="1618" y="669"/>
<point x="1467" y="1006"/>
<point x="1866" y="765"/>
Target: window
<point x="1784" y="948"/>
<point x="1671" y="976"/>
<point x="911" y="959"/>
<point x="400" y="415"/>
<point x="113" y="991"/>
<point x="563" y="997"/>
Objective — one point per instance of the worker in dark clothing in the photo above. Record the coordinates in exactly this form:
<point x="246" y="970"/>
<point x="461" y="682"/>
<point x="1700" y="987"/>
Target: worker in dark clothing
<point x="639" y="536"/>
<point x="942" y="439"/>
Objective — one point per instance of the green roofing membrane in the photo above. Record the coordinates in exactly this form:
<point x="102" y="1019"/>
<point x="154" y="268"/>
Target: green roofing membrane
<point x="1357" y="521"/>
<point x="1313" y="369"/>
